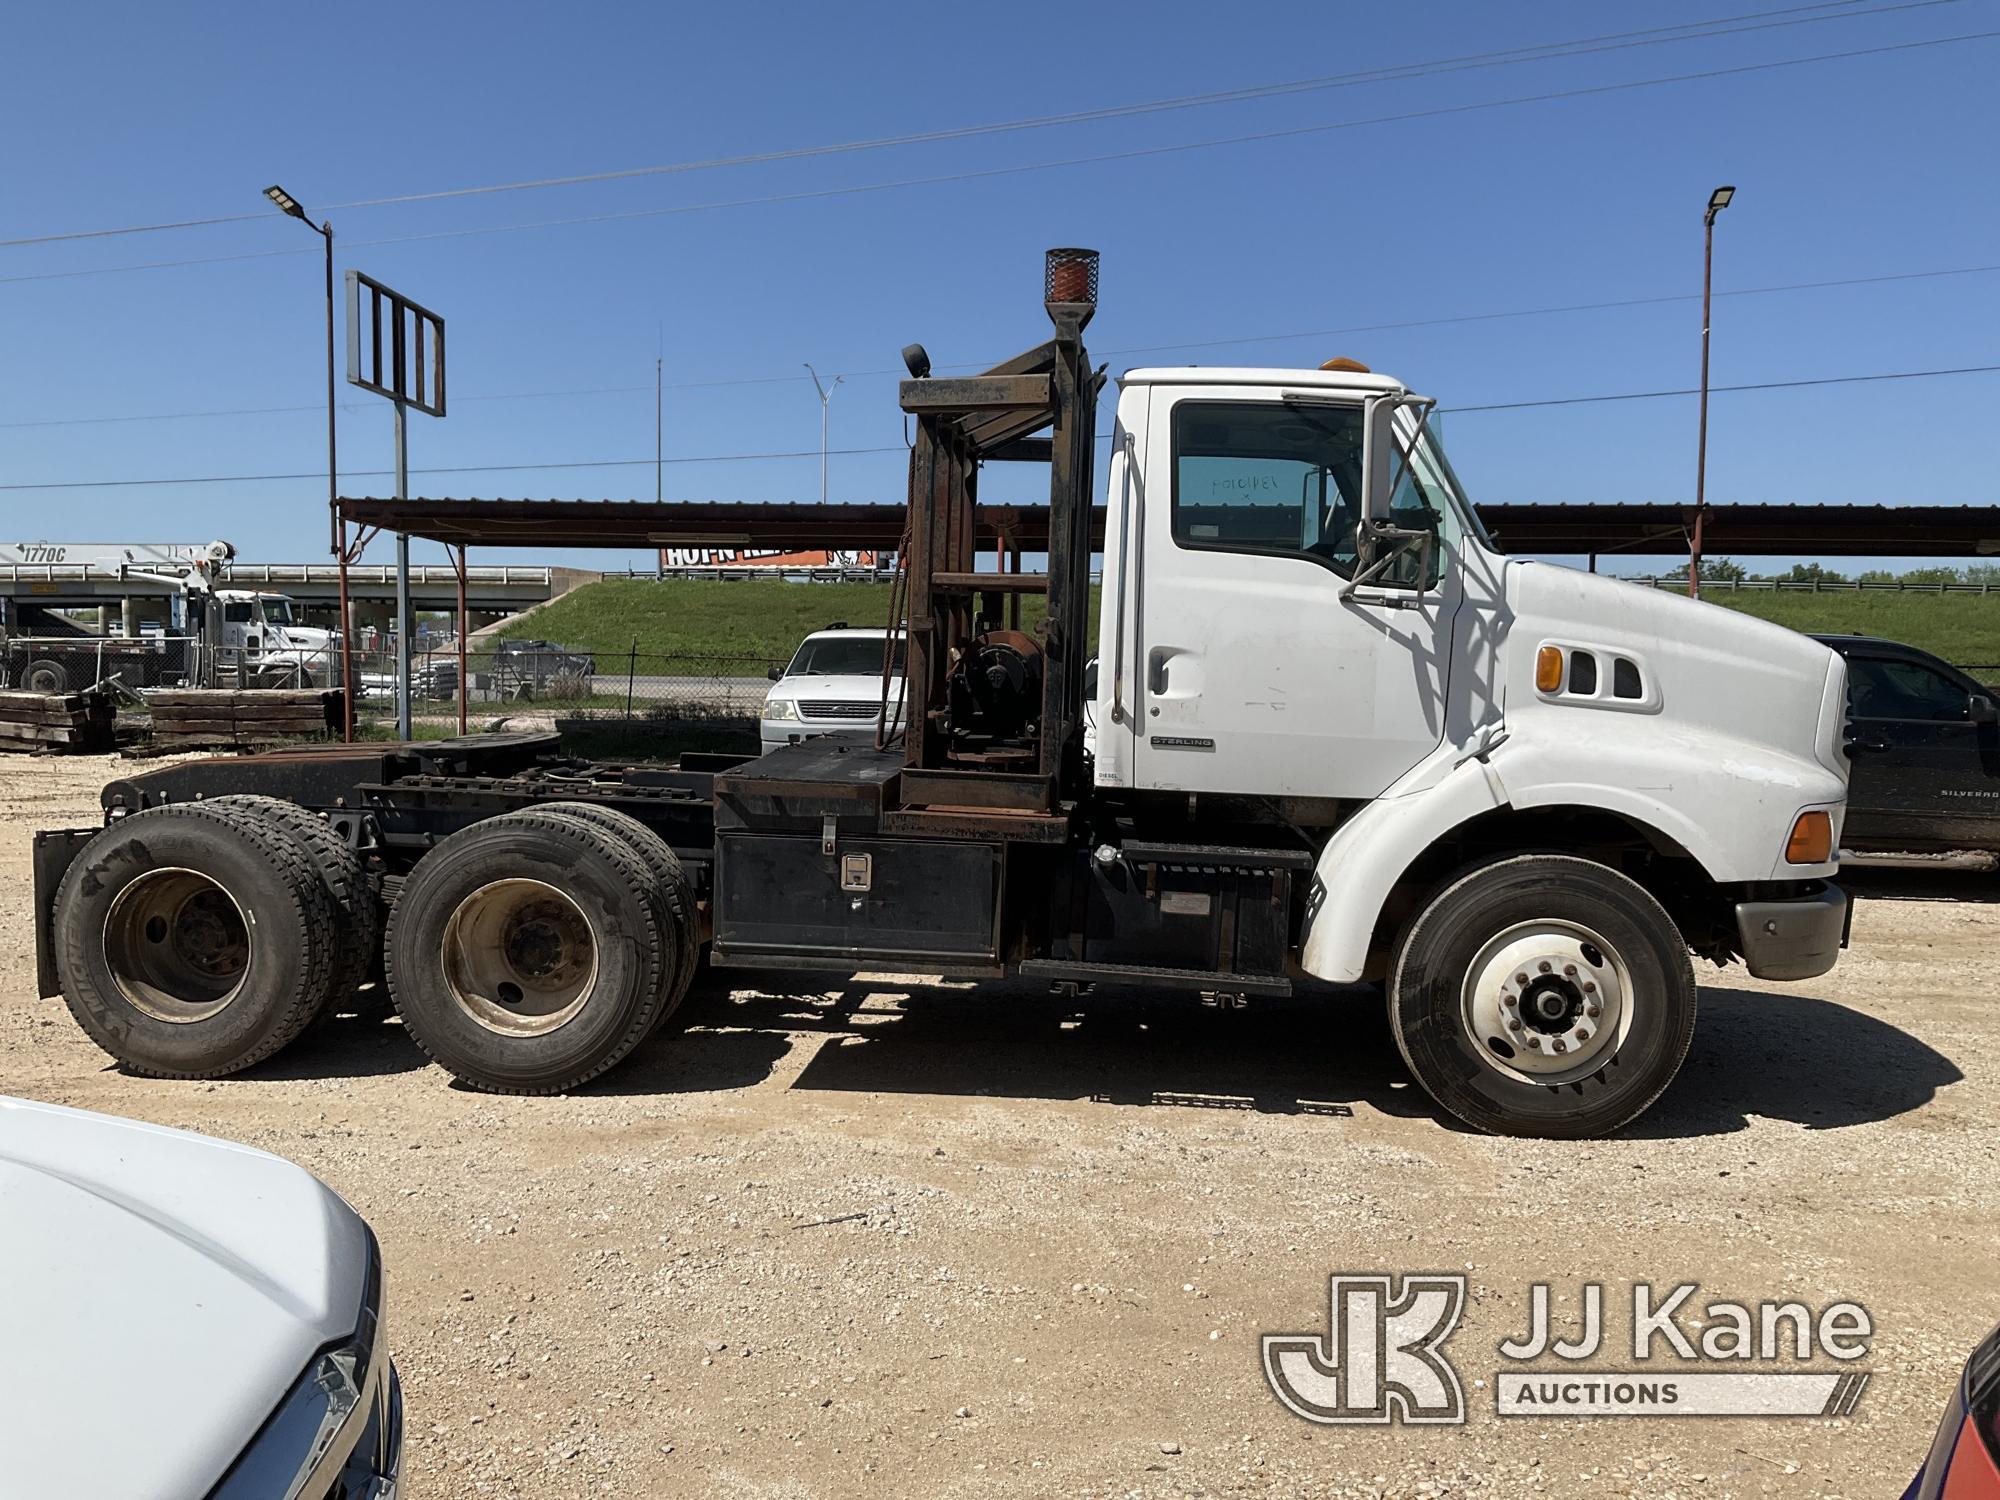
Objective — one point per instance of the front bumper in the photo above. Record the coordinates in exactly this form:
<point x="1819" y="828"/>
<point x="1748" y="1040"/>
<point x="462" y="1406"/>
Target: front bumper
<point x="1794" y="937"/>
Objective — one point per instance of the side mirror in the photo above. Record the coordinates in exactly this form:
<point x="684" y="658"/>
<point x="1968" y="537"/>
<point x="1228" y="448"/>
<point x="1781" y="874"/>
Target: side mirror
<point x="1382" y="547"/>
<point x="1981" y="709"/>
<point x="776" y="674"/>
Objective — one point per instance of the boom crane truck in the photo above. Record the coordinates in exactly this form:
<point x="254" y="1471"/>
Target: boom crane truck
<point x="1331" y="734"/>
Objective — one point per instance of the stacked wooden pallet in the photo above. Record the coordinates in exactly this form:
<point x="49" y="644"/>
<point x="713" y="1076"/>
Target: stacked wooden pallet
<point x="71" y="722"/>
<point x="186" y="718"/>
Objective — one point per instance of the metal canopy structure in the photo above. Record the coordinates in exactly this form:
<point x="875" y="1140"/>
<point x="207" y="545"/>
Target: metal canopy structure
<point x="1741" y="530"/>
<point x="1750" y="530"/>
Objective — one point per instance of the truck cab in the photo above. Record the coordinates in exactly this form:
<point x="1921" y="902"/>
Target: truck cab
<point x="262" y="631"/>
<point x="1301" y="605"/>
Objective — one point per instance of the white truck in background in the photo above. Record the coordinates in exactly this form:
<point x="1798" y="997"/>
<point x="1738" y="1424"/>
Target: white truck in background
<point x="211" y="635"/>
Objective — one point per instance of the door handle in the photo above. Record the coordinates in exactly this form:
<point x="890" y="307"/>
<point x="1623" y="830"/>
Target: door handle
<point x="1873" y="746"/>
<point x="1156" y="671"/>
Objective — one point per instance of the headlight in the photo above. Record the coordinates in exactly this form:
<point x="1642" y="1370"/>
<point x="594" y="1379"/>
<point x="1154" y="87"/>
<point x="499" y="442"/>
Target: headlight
<point x="780" y="708"/>
<point x="316" y="1428"/>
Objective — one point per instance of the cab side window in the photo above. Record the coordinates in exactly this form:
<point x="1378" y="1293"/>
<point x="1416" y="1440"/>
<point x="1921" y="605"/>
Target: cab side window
<point x="1265" y="476"/>
<point x="1882" y="689"/>
<point x="236" y="613"/>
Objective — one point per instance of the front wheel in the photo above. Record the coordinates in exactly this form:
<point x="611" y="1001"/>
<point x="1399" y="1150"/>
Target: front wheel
<point x="1543" y="995"/>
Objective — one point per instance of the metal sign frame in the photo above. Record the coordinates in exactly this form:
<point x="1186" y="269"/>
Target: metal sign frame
<point x="413" y="374"/>
<point x="414" y="378"/>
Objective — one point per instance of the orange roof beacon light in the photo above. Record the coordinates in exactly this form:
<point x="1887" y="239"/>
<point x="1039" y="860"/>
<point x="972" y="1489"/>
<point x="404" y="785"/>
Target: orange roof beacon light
<point x="1351" y="366"/>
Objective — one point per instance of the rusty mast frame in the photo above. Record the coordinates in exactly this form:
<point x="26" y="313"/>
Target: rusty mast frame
<point x="961" y="424"/>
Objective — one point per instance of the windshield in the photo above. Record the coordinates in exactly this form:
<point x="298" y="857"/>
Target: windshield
<point x="1430" y="482"/>
<point x="278" y="611"/>
<point x="842" y="656"/>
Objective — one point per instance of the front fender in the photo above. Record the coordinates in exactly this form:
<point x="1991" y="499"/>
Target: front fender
<point x="1728" y="803"/>
<point x="1368" y="854"/>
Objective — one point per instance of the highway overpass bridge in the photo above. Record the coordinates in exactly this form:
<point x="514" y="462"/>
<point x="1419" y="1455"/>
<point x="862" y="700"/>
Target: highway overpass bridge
<point x="492" y="591"/>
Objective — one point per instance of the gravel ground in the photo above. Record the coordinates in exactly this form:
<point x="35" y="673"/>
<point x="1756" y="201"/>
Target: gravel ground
<point x="891" y="1236"/>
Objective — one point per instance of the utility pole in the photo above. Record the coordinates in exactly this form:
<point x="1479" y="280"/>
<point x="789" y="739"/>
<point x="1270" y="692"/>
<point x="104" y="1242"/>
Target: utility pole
<point x="1717" y="202"/>
<point x="825" y="399"/>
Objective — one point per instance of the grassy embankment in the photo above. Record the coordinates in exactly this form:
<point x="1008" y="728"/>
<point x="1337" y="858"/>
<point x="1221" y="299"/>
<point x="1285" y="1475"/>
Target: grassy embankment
<point x="760" y="620"/>
<point x="763" y="620"/>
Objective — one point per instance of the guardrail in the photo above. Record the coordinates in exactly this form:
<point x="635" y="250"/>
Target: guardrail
<point x="250" y="575"/>
<point x="1813" y="585"/>
<point x="789" y="575"/>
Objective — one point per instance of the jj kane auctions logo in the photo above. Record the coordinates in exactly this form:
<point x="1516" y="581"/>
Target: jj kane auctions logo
<point x="1382" y="1358"/>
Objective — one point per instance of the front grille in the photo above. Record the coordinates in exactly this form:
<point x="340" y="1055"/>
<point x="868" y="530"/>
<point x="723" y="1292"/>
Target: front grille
<point x="827" y="709"/>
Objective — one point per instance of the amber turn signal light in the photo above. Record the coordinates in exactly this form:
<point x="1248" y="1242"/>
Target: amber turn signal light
<point x="1548" y="669"/>
<point x="1811" y="842"/>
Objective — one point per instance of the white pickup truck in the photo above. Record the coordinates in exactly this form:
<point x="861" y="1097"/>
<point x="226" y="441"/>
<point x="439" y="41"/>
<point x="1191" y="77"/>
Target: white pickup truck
<point x="185" y="1318"/>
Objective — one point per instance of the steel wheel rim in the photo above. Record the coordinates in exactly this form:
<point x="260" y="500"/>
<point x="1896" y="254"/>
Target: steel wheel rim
<point x="178" y="946"/>
<point x="520" y="957"/>
<point x="1547" y="1002"/>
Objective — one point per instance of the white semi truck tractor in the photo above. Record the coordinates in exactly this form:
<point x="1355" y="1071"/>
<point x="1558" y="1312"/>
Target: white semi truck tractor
<point x="1334" y="736"/>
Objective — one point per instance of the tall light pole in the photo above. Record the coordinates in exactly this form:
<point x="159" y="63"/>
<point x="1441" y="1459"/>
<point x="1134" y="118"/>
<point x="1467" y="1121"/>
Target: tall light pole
<point x="1717" y="202"/>
<point x="336" y="532"/>
<point x="825" y="398"/>
<point x="291" y="206"/>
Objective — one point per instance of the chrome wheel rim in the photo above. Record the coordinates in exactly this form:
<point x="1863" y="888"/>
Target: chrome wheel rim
<point x="1547" y="1002"/>
<point x="520" y="957"/>
<point x="177" y="945"/>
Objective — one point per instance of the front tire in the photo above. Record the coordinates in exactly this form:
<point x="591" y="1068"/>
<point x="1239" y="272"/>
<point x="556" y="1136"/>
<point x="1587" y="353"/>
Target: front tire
<point x="1543" y="995"/>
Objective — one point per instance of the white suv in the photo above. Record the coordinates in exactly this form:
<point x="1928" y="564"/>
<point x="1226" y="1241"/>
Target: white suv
<point x="832" y="687"/>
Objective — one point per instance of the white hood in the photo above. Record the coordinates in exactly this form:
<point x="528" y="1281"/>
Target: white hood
<point x="1736" y="730"/>
<point x="165" y="1291"/>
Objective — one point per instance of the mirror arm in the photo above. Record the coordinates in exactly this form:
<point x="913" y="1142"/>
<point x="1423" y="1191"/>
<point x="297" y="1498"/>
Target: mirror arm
<point x="1404" y="540"/>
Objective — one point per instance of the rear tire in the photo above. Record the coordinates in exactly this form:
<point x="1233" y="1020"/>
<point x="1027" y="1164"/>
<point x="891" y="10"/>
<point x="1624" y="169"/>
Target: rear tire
<point x="193" y="941"/>
<point x="1543" y="995"/>
<point x="670" y="883"/>
<point x="46" y="677"/>
<point x="526" y="953"/>
<point x="357" y="912"/>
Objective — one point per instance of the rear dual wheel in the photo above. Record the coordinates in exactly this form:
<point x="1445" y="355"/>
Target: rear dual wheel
<point x="531" y="952"/>
<point x="1543" y="995"/>
<point x="195" y="940"/>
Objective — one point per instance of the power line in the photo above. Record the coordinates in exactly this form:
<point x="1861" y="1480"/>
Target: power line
<point x="1513" y="56"/>
<point x="1789" y="16"/>
<point x="1098" y="159"/>
<point x="1538" y="312"/>
<point x="1263" y="338"/>
<point x="1761" y="385"/>
<point x="719" y="458"/>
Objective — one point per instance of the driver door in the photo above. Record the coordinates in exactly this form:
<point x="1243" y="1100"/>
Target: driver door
<point x="1257" y="668"/>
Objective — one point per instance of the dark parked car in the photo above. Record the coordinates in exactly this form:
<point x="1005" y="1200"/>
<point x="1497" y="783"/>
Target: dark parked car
<point x="539" y="669"/>
<point x="1924" y="742"/>
<point x="1964" y="1461"/>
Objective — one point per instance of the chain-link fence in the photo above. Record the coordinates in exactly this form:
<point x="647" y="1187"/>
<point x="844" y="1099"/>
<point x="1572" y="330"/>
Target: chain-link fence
<point x="71" y="663"/>
<point x="668" y="701"/>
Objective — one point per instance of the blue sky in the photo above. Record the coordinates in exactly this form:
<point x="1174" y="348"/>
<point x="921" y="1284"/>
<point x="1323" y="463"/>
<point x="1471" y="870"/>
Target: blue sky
<point x="1870" y="166"/>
